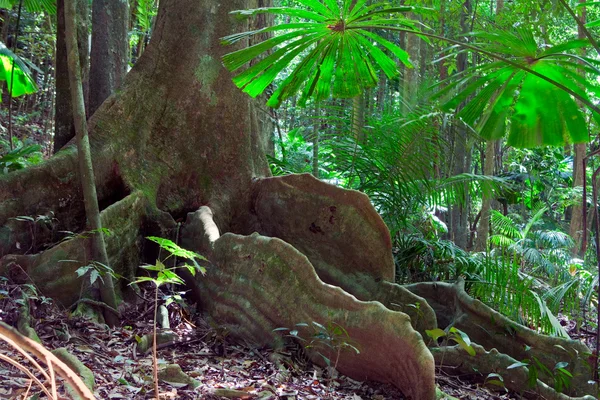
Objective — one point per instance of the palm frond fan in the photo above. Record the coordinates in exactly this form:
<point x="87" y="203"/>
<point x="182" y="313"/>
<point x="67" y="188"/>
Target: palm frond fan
<point x="337" y="57"/>
<point x="531" y="91"/>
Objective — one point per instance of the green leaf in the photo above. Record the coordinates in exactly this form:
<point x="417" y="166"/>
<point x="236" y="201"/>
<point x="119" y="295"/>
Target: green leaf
<point x="83" y="270"/>
<point x="435" y="334"/>
<point x="94" y="275"/>
<point x="495" y="376"/>
<point x="518" y="364"/>
<point x="565" y="372"/>
<point x="561" y="364"/>
<point x="143" y="279"/>
<point x="593" y="24"/>
<point x="338" y="58"/>
<point x="463" y="340"/>
<point x="174" y="249"/>
<point x="534" y="90"/>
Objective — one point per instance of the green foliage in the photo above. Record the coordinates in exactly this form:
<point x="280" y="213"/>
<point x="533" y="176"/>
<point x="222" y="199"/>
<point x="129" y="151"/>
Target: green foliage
<point x="19" y="80"/>
<point x="529" y="90"/>
<point x="332" y="337"/>
<point x="420" y="259"/>
<point x="145" y="12"/>
<point x="166" y="275"/>
<point x="502" y="285"/>
<point x="561" y="376"/>
<point x="96" y="270"/>
<point x="339" y="57"/>
<point x="298" y="154"/>
<point x="454" y="334"/>
<point x="20" y="158"/>
<point x="495" y="379"/>
<point x="34" y="6"/>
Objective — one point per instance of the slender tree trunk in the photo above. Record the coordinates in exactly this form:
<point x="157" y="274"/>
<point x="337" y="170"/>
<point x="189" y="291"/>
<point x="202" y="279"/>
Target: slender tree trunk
<point x="486" y="204"/>
<point x="358" y="118"/>
<point x="381" y="91"/>
<point x="459" y="213"/>
<point x="86" y="171"/>
<point x="577" y="226"/>
<point x="443" y="68"/>
<point x="110" y="48"/>
<point x="64" y="129"/>
<point x="316" y="134"/>
<point x="410" y="82"/>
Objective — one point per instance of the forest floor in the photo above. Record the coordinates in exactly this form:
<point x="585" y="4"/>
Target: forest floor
<point x="205" y="353"/>
<point x="223" y="369"/>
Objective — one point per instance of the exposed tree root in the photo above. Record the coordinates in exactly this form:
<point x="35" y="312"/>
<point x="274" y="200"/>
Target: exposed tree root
<point x="259" y="284"/>
<point x="492" y="330"/>
<point x="342" y="235"/>
<point x="24" y="321"/>
<point x="457" y="361"/>
<point x="53" y="270"/>
<point x="186" y="139"/>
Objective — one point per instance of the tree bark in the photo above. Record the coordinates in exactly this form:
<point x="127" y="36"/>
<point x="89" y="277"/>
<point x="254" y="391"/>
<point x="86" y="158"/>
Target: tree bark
<point x="110" y="49"/>
<point x="576" y="227"/>
<point x="315" y="140"/>
<point x="64" y="129"/>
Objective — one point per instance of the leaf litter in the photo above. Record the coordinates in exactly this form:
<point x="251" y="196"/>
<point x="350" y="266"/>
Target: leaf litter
<point x="222" y="368"/>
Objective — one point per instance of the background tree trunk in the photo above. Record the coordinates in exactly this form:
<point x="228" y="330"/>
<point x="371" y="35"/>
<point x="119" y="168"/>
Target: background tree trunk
<point x="64" y="129"/>
<point x="483" y="228"/>
<point x="576" y="227"/>
<point x="110" y="49"/>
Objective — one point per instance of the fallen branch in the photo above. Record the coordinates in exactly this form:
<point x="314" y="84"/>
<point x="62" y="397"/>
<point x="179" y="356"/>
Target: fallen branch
<point x="22" y="343"/>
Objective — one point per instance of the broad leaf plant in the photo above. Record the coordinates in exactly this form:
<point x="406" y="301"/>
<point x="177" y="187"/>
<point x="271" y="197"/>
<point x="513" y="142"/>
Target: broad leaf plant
<point x="538" y="94"/>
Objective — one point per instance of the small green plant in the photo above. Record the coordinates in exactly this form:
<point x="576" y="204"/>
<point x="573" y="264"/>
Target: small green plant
<point x="165" y="275"/>
<point x="453" y="334"/>
<point x="96" y="270"/>
<point x="561" y="376"/>
<point x="333" y="338"/>
<point x="20" y="158"/>
<point x="494" y="379"/>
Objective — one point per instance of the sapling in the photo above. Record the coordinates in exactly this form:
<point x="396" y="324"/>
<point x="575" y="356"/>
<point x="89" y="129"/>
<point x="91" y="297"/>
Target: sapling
<point x="166" y="275"/>
<point x="333" y="336"/>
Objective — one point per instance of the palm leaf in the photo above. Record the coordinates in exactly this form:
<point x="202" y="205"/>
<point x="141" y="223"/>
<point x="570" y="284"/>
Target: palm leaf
<point x="533" y="90"/>
<point x="505" y="225"/>
<point x="34" y="6"/>
<point x="339" y="58"/>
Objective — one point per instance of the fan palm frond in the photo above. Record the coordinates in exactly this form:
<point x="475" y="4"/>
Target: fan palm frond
<point x="505" y="226"/>
<point x="338" y="57"/>
<point x="34" y="6"/>
<point x="536" y="90"/>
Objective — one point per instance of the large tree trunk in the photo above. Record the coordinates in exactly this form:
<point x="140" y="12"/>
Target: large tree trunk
<point x="179" y="138"/>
